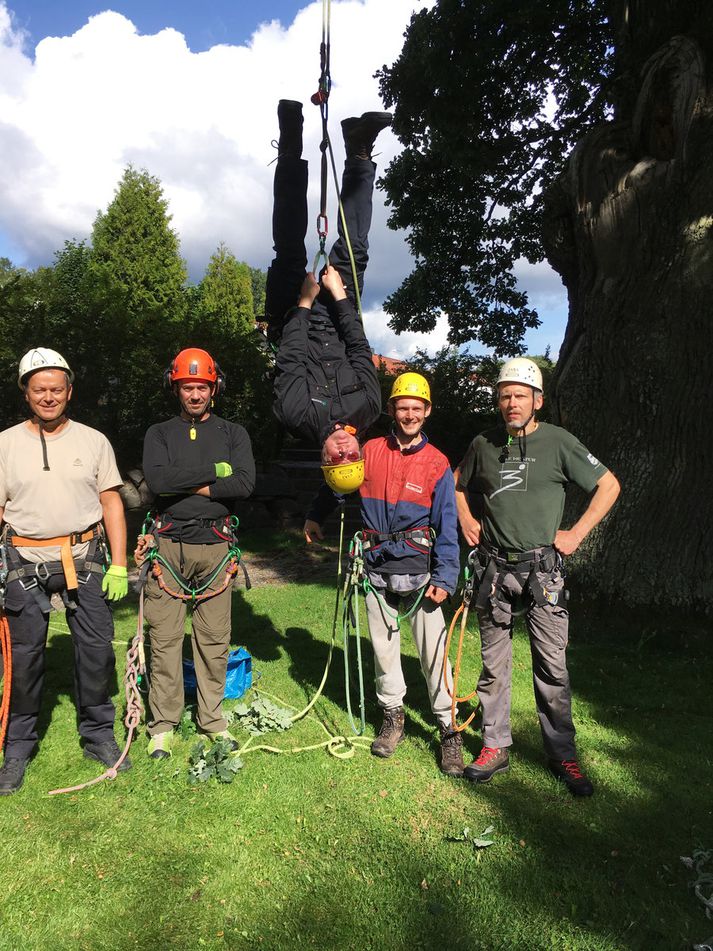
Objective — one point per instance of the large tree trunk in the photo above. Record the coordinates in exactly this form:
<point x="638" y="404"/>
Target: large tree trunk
<point x="630" y="229"/>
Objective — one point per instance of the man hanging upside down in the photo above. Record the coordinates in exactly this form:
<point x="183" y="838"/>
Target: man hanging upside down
<point x="326" y="387"/>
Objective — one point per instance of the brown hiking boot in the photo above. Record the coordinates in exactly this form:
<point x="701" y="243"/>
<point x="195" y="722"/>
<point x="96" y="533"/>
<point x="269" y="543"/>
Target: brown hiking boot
<point x="390" y="734"/>
<point x="360" y="133"/>
<point x="490" y="760"/>
<point x="451" y="758"/>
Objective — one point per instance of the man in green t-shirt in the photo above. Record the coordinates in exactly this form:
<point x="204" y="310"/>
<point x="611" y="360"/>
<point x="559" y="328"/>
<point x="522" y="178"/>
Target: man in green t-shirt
<point x="517" y="476"/>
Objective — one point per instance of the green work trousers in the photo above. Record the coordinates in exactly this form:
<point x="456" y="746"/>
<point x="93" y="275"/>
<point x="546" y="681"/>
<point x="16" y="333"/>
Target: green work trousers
<point x="166" y="618"/>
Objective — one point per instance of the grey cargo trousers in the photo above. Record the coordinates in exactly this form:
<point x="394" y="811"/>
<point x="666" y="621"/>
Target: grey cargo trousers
<point x="547" y="626"/>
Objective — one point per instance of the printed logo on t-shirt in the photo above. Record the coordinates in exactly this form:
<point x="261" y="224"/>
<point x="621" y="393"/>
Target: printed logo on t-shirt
<point x="414" y="488"/>
<point x="77" y="462"/>
<point x="513" y="477"/>
<point x="593" y="459"/>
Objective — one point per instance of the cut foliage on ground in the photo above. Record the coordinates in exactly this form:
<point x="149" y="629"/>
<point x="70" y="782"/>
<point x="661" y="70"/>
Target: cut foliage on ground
<point x="311" y="851"/>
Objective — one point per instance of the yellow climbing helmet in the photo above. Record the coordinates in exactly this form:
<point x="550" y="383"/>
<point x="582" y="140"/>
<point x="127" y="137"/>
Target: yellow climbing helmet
<point x="345" y="478"/>
<point x="411" y="385"/>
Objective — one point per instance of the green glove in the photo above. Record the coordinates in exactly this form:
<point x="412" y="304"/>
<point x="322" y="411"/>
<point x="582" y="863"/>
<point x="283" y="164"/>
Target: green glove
<point x="115" y="583"/>
<point x="223" y="469"/>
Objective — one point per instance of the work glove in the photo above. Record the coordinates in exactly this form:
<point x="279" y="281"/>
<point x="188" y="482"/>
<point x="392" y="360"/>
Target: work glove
<point x="115" y="583"/>
<point x="223" y="469"/>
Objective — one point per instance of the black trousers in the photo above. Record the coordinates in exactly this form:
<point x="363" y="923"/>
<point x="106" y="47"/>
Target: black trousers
<point x="289" y="229"/>
<point x="92" y="629"/>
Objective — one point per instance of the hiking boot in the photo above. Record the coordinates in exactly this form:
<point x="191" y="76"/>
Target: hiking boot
<point x="227" y="736"/>
<point x="451" y="758"/>
<point x="12" y="775"/>
<point x="107" y="753"/>
<point x="390" y="734"/>
<point x="360" y="133"/>
<point x="289" y="116"/>
<point x="160" y="745"/>
<point x="569" y="773"/>
<point x="490" y="760"/>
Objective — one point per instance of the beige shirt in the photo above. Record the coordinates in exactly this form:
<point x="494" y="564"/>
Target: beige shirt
<point x="41" y="504"/>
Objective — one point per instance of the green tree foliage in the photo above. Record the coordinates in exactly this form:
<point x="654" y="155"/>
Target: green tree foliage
<point x="489" y="96"/>
<point x="119" y="309"/>
<point x="136" y="289"/>
<point x="223" y="322"/>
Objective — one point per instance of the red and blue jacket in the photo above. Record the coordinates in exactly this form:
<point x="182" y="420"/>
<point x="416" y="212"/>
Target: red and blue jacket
<point x="406" y="489"/>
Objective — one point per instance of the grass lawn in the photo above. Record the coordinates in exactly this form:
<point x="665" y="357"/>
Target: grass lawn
<point x="308" y="851"/>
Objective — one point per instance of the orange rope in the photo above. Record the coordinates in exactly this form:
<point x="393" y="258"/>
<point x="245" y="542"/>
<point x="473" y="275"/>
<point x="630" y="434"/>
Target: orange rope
<point x="453" y="691"/>
<point x="6" y="646"/>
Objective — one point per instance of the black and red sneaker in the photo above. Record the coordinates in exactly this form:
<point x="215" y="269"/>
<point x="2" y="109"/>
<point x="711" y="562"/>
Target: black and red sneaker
<point x="569" y="773"/>
<point x="490" y="760"/>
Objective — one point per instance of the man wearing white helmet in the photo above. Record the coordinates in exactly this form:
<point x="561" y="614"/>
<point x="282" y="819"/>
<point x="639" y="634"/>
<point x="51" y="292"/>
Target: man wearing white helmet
<point x="517" y="475"/>
<point x="58" y="483"/>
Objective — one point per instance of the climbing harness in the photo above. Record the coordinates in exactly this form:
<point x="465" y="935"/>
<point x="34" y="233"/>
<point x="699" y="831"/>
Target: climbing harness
<point x="462" y="613"/>
<point x="32" y="577"/>
<point x="194" y="590"/>
<point x="492" y="564"/>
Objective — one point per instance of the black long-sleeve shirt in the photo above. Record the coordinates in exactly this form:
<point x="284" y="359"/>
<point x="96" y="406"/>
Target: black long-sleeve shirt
<point x="174" y="464"/>
<point x="325" y="375"/>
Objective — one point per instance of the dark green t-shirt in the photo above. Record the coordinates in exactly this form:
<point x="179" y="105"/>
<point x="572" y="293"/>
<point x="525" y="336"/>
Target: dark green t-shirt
<point x="518" y="494"/>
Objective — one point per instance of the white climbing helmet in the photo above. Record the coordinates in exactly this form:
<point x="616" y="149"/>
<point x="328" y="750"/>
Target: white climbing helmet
<point x="41" y="358"/>
<point x="520" y="370"/>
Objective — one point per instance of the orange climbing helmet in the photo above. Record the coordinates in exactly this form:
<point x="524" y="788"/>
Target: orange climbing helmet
<point x="198" y="365"/>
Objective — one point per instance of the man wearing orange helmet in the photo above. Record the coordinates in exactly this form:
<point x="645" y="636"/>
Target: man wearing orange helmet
<point x="198" y="465"/>
<point x="325" y="377"/>
<point x="412" y="560"/>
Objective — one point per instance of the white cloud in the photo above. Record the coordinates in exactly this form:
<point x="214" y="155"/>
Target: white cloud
<point x="403" y="346"/>
<point x="74" y="115"/>
<point x="90" y="103"/>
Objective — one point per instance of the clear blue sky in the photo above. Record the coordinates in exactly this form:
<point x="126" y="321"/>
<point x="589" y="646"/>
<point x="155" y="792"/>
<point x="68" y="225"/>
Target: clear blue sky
<point x="203" y="23"/>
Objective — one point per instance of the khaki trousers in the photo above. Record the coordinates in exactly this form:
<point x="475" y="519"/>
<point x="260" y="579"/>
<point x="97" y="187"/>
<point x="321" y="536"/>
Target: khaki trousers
<point x="166" y="618"/>
<point x="429" y="634"/>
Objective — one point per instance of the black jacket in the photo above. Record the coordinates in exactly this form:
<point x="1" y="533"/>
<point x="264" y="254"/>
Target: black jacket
<point x="174" y="464"/>
<point x="325" y="374"/>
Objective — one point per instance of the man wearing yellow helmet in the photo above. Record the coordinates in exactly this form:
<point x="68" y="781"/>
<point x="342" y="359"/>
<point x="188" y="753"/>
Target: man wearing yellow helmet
<point x="412" y="560"/>
<point x="324" y="376"/>
<point x="518" y="473"/>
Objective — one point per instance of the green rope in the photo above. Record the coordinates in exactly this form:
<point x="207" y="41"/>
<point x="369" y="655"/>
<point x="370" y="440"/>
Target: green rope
<point x="350" y="618"/>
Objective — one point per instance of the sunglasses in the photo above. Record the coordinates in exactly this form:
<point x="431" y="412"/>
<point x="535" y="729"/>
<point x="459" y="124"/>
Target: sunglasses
<point x="343" y="455"/>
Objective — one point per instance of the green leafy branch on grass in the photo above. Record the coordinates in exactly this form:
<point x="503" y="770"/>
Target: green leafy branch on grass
<point x="481" y="841"/>
<point x="216" y="759"/>
<point x="261" y="716"/>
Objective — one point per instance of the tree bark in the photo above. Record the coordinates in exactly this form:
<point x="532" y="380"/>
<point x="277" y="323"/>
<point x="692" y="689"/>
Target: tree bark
<point x="629" y="227"/>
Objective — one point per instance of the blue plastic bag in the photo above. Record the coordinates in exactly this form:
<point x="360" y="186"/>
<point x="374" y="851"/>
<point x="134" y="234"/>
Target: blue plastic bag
<point x="238" y="679"/>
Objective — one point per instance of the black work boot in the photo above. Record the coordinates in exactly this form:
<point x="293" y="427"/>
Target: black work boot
<point x="490" y="760"/>
<point x="107" y="753"/>
<point x="390" y="734"/>
<point x="360" y="133"/>
<point x="12" y="775"/>
<point x="451" y="758"/>
<point x="569" y="773"/>
<point x="289" y="116"/>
